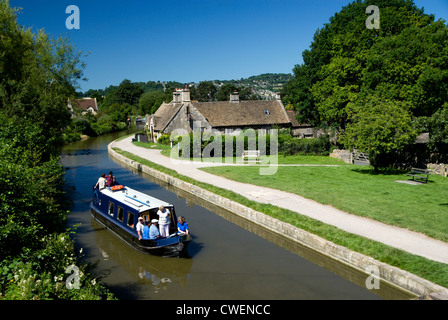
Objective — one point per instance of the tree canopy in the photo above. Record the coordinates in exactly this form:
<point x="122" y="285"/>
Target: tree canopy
<point x="37" y="76"/>
<point x="347" y="61"/>
<point x="350" y="67"/>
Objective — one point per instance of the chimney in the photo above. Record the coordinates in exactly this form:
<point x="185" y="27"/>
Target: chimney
<point x="278" y="97"/>
<point x="235" y="97"/>
<point x="176" y="96"/>
<point x="186" y="95"/>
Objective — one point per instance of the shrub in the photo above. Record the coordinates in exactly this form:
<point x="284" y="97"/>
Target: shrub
<point x="41" y="275"/>
<point x="314" y="146"/>
<point x="164" y="139"/>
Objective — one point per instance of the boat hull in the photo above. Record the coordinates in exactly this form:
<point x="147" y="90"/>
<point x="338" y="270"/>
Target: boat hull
<point x="175" y="246"/>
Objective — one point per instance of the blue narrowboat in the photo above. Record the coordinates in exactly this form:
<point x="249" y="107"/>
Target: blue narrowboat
<point x="119" y="208"/>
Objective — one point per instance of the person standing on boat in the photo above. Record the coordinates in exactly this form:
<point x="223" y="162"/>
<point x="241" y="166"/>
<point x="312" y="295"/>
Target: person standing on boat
<point x="164" y="221"/>
<point x="140" y="227"/>
<point x="101" y="184"/>
<point x="109" y="179"/>
<point x="153" y="230"/>
<point x="114" y="182"/>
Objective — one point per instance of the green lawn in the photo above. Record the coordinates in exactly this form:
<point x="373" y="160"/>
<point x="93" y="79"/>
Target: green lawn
<point x="358" y="190"/>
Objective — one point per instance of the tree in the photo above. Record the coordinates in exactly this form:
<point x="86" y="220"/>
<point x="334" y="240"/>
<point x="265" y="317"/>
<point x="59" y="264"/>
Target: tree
<point x="379" y="127"/>
<point x="37" y="76"/>
<point x="127" y="92"/>
<point x="150" y="101"/>
<point x="297" y="94"/>
<point x="333" y="70"/>
<point x="205" y="91"/>
<point x="411" y="66"/>
<point x="437" y="126"/>
<point x="225" y="90"/>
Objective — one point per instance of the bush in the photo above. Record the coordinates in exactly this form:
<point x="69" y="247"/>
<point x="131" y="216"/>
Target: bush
<point x="206" y="142"/>
<point x="315" y="146"/>
<point x="164" y="139"/>
<point x="287" y="145"/>
<point x="41" y="275"/>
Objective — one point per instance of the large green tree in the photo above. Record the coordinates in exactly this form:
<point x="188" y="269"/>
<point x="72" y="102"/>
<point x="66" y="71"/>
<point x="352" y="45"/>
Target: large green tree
<point x="37" y="76"/>
<point x="334" y="70"/>
<point x="379" y="127"/>
<point x="126" y="92"/>
<point x="204" y="92"/>
<point x="150" y="101"/>
<point x="412" y="67"/>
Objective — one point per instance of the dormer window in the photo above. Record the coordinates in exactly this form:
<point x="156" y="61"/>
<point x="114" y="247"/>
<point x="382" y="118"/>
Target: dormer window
<point x="266" y="112"/>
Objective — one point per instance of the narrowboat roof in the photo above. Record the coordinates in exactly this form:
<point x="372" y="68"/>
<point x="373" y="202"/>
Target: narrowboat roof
<point x="135" y="199"/>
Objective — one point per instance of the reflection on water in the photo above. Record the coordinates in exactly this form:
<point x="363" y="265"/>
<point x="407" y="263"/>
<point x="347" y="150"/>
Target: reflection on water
<point x="154" y="273"/>
<point x="231" y="258"/>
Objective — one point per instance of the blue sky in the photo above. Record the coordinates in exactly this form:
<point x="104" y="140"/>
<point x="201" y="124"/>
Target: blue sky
<point x="192" y="40"/>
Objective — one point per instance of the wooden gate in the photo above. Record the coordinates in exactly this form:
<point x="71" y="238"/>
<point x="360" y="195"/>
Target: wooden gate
<point x="360" y="158"/>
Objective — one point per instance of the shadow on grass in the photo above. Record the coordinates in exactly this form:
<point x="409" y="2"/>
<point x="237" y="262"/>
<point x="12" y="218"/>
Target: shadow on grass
<point x="390" y="172"/>
<point x="385" y="172"/>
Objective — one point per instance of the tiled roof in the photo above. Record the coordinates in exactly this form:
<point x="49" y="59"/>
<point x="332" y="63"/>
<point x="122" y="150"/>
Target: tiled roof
<point x="243" y="113"/>
<point x="86" y="103"/>
<point x="164" y="114"/>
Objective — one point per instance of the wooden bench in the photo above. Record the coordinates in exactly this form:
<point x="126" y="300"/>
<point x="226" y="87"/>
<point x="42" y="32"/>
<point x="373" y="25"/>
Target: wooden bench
<point x="421" y="174"/>
<point x="253" y="155"/>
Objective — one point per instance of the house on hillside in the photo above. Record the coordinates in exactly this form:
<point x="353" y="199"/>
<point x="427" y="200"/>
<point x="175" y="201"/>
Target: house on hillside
<point x="222" y="117"/>
<point x="84" y="105"/>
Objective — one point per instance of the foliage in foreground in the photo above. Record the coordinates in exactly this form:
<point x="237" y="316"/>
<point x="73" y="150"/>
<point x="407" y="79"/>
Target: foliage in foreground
<point x="37" y="74"/>
<point x="45" y="274"/>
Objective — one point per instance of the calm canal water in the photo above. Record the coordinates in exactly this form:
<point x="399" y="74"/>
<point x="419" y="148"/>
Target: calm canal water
<point x="231" y="258"/>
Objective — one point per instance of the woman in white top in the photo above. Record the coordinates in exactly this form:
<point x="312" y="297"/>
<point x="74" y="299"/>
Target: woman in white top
<point x="101" y="184"/>
<point x="164" y="221"/>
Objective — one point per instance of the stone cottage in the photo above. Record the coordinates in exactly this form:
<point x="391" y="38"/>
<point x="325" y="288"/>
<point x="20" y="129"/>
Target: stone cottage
<point x="220" y="117"/>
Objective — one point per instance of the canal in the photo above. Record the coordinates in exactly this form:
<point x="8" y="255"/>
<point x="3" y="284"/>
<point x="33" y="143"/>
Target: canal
<point x="230" y="257"/>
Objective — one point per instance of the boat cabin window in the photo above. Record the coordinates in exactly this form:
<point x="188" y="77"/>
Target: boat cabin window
<point x="111" y="209"/>
<point x="130" y="219"/>
<point x="120" y="214"/>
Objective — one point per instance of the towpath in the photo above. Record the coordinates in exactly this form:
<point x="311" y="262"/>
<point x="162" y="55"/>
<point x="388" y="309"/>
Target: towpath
<point x="412" y="242"/>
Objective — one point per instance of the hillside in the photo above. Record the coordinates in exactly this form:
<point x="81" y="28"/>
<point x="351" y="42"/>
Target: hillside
<point x="264" y="85"/>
